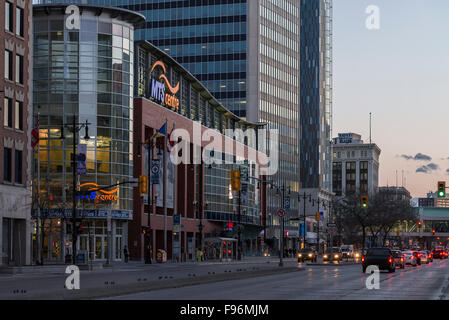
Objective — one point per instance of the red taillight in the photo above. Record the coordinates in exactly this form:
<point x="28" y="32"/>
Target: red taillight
<point x="363" y="259"/>
<point x="389" y="260"/>
<point x="411" y="258"/>
<point x="402" y="259"/>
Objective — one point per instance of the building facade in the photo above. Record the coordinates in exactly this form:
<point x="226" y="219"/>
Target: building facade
<point x="15" y="131"/>
<point x="83" y="73"/>
<point x="247" y="54"/>
<point x="355" y="165"/>
<point x="195" y="206"/>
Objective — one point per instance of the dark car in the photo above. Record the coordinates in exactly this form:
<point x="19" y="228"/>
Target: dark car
<point x="417" y="255"/>
<point x="438" y="254"/>
<point x="398" y="258"/>
<point x="383" y="258"/>
<point x="430" y="255"/>
<point x="333" y="254"/>
<point x="307" y="254"/>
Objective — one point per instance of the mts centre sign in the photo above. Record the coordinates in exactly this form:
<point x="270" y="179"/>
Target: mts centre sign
<point x="163" y="91"/>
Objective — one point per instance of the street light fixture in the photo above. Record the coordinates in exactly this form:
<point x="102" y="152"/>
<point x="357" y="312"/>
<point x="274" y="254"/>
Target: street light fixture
<point x="75" y="128"/>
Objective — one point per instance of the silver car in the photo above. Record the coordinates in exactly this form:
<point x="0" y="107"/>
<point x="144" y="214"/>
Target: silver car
<point x="424" y="257"/>
<point x="409" y="258"/>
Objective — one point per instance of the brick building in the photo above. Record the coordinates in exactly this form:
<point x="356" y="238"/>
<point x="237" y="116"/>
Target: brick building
<point x="15" y="129"/>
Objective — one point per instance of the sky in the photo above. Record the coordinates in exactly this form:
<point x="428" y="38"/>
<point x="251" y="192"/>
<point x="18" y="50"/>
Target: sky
<point x="399" y="73"/>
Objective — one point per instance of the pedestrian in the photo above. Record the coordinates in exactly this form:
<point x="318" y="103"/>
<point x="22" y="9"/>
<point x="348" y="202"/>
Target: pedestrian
<point x="126" y="254"/>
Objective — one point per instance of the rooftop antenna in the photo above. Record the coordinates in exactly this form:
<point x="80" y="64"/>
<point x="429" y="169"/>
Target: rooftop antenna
<point x="370" y="127"/>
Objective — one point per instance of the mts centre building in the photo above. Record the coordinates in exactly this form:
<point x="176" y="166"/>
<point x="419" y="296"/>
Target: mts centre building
<point x="90" y="69"/>
<point x="83" y="71"/>
<point x="196" y="207"/>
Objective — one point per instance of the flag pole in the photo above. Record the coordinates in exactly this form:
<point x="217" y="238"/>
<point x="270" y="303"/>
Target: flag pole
<point x="164" y="186"/>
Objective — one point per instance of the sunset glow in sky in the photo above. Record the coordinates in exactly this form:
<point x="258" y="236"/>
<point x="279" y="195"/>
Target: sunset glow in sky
<point x="400" y="73"/>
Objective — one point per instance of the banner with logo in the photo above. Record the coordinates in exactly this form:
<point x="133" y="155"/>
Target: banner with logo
<point x="81" y="159"/>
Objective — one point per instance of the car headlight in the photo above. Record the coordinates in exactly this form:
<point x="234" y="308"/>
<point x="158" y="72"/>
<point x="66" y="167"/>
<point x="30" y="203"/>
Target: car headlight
<point x="336" y="256"/>
<point x="357" y="255"/>
<point x="299" y="255"/>
<point x="310" y="255"/>
<point x="325" y="256"/>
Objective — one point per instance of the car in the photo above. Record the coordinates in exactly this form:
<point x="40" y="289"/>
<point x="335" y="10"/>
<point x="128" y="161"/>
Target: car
<point x="430" y="255"/>
<point x="307" y="254"/>
<point x="409" y="258"/>
<point x="417" y="255"/>
<point x="381" y="257"/>
<point x="424" y="257"/>
<point x="333" y="254"/>
<point x="438" y="254"/>
<point x="398" y="258"/>
<point x="347" y="251"/>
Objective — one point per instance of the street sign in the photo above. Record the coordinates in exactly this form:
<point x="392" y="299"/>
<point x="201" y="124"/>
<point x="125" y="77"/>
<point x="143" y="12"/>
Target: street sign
<point x="331" y="225"/>
<point x="243" y="173"/>
<point x="287" y="203"/>
<point x="281" y="213"/>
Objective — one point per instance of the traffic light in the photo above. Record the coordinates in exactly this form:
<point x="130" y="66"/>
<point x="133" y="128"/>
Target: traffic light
<point x="419" y="224"/>
<point x="230" y="225"/>
<point x="286" y="234"/>
<point x="441" y="189"/>
<point x="364" y="201"/>
<point x="433" y="232"/>
<point x="317" y="216"/>
<point x="145" y="230"/>
<point x="143" y="184"/>
<point x="79" y="228"/>
<point x="235" y="180"/>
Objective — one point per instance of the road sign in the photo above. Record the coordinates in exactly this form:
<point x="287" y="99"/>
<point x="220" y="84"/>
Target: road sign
<point x="281" y="213"/>
<point x="287" y="203"/>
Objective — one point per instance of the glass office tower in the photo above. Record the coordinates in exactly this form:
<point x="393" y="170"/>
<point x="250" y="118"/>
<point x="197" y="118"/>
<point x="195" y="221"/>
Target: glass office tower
<point x="316" y="94"/>
<point x="84" y="72"/>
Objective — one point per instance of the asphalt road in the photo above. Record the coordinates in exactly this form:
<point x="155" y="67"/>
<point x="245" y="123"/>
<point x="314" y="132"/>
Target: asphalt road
<point x="425" y="282"/>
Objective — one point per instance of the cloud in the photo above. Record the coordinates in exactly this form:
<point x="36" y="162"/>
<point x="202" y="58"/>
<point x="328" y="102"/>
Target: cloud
<point x="429" y="168"/>
<point x="418" y="157"/>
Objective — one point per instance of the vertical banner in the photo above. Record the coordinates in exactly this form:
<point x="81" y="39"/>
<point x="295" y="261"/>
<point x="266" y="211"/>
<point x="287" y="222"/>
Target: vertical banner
<point x="81" y="159"/>
<point x="160" y="182"/>
<point x="176" y="230"/>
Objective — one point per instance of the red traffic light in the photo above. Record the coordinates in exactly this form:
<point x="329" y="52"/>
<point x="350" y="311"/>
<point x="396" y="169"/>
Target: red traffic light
<point x="433" y="232"/>
<point x="419" y="224"/>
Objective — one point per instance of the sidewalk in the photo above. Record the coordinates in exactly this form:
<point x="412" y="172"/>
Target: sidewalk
<point x="136" y="277"/>
<point x="134" y="265"/>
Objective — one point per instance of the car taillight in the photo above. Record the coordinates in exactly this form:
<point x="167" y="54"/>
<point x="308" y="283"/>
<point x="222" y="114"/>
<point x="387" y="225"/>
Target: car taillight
<point x="389" y="260"/>
<point x="363" y="259"/>
<point x="402" y="259"/>
<point x="411" y="258"/>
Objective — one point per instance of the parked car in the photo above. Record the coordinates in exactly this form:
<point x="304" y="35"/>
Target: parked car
<point x="381" y="257"/>
<point x="409" y="258"/>
<point x="332" y="254"/>
<point x="398" y="258"/>
<point x="307" y="254"/>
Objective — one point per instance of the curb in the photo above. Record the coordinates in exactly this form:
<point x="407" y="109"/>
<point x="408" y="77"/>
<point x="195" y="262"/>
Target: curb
<point x="115" y="290"/>
<point x="333" y="264"/>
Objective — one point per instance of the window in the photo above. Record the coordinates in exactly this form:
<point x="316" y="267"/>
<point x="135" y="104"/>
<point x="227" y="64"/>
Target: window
<point x="9" y="16"/>
<point x="19" y="68"/>
<point x="18" y="167"/>
<point x="8" y="65"/>
<point x="19" y="22"/>
<point x="19" y="115"/>
<point x="7" y="113"/>
<point x="7" y="164"/>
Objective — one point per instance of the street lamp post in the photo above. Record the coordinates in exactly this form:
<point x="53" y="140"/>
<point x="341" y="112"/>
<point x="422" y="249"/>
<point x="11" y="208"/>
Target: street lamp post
<point x="75" y="128"/>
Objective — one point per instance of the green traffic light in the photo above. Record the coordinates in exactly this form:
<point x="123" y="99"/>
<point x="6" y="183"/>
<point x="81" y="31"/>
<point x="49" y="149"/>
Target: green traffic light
<point x="441" y="194"/>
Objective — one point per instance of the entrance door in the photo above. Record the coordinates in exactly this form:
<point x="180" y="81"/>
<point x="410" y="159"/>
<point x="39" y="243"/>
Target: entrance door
<point x="98" y="247"/>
